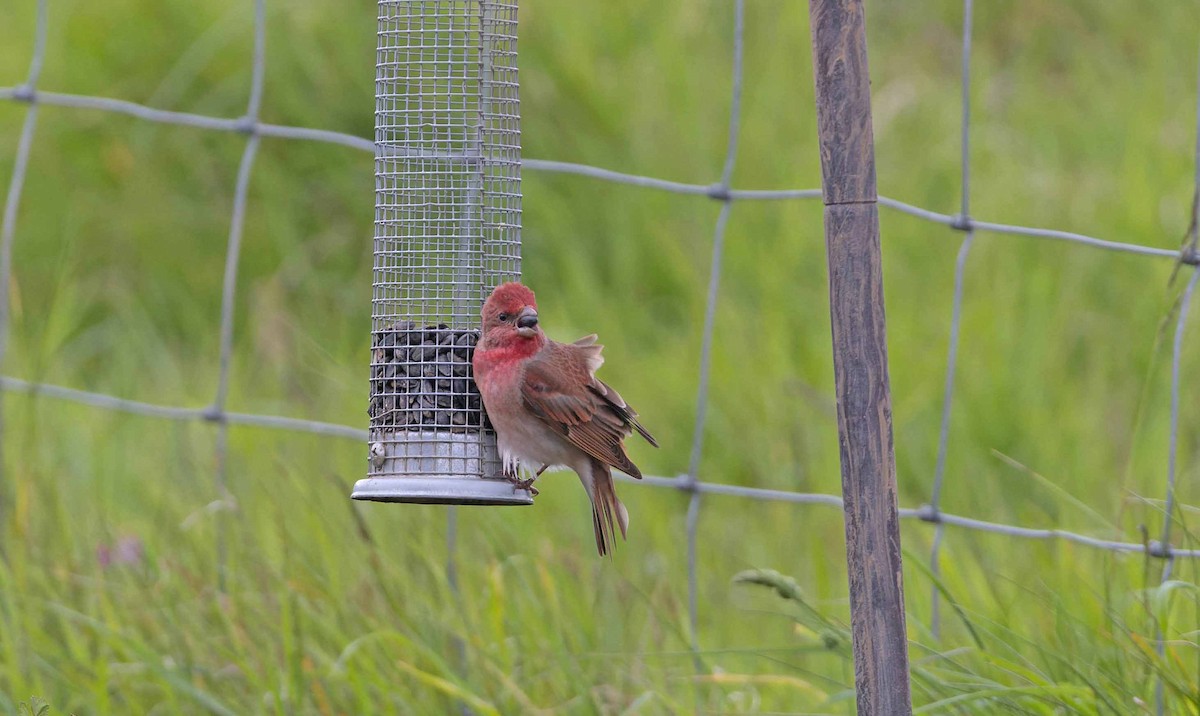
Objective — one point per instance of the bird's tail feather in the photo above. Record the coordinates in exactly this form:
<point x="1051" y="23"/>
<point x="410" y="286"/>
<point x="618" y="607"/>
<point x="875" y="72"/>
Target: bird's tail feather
<point x="606" y="508"/>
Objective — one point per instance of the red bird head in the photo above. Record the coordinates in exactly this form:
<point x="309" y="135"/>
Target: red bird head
<point x="510" y="312"/>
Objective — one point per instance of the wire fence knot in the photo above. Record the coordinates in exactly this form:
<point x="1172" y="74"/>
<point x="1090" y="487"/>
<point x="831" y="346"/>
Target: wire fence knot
<point x="961" y="222"/>
<point x="930" y="514"/>
<point x="1159" y="550"/>
<point x="213" y="414"/>
<point x="24" y="93"/>
<point x="246" y="125"/>
<point x="720" y="192"/>
<point x="1189" y="255"/>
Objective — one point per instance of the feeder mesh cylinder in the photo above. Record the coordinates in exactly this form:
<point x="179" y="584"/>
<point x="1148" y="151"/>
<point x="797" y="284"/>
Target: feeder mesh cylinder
<point x="447" y="230"/>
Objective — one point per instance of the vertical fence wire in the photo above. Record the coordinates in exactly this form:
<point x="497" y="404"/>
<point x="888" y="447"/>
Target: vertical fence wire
<point x="710" y="313"/>
<point x="233" y="254"/>
<point x="960" y="267"/>
<point x="458" y="644"/>
<point x="8" y="224"/>
<point x="965" y="142"/>
<point x="1165" y="551"/>
<point x="1172" y="452"/>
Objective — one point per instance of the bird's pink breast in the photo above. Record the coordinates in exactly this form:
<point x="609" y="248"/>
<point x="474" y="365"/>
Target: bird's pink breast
<point x="521" y="435"/>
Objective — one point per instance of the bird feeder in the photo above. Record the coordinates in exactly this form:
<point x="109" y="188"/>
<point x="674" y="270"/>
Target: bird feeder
<point x="447" y="231"/>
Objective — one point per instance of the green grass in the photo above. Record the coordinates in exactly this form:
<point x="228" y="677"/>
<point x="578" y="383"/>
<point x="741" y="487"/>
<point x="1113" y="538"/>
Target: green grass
<point x="1084" y="119"/>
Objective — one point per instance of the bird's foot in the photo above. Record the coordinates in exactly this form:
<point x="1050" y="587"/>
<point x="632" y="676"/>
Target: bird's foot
<point x="518" y="484"/>
<point x="526" y="485"/>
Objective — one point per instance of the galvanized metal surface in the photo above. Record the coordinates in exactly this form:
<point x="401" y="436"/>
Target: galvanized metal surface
<point x="440" y="491"/>
<point x="447" y="231"/>
<point x="440" y="460"/>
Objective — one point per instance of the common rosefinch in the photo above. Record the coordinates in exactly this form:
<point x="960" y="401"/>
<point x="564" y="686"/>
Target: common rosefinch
<point x="548" y="407"/>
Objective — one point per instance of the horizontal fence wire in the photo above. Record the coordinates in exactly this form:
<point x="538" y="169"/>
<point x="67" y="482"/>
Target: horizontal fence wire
<point x="34" y="98"/>
<point x="26" y="94"/>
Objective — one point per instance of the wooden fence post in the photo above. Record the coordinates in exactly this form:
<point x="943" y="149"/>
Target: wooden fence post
<point x="860" y="357"/>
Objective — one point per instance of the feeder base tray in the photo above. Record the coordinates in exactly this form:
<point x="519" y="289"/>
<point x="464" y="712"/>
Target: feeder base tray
<point x="440" y="491"/>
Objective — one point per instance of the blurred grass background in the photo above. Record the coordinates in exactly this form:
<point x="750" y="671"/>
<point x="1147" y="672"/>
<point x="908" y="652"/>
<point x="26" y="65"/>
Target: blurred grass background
<point x="1084" y="119"/>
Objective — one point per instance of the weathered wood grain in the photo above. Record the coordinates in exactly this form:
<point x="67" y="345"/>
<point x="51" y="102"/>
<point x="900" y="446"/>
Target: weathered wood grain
<point x="860" y="357"/>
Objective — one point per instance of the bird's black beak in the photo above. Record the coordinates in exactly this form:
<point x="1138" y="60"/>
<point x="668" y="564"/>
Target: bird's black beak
<point x="527" y="321"/>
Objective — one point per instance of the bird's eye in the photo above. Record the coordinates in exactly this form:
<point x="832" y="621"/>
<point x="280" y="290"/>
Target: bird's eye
<point x="503" y="316"/>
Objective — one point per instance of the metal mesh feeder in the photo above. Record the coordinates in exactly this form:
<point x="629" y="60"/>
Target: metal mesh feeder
<point x="447" y="231"/>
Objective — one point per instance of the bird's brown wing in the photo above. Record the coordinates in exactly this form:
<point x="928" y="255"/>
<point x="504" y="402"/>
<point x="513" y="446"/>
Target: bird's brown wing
<point x="592" y="352"/>
<point x="560" y="389"/>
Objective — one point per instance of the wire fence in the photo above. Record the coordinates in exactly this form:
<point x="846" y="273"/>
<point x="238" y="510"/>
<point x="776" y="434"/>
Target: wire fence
<point x="33" y="97"/>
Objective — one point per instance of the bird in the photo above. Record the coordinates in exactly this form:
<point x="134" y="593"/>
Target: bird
<point x="549" y="409"/>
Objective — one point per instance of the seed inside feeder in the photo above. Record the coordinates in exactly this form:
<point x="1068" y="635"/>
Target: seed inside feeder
<point x="421" y="379"/>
